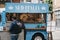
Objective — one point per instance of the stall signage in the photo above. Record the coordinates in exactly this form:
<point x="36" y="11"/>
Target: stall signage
<point x="26" y="8"/>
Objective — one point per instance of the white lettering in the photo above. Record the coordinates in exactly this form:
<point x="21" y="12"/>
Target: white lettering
<point x="43" y="8"/>
<point x="29" y="8"/>
<point x="17" y="7"/>
<point x="22" y="8"/>
<point x="10" y="8"/>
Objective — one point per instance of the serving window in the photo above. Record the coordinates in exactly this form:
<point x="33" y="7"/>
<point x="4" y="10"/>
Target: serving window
<point x="28" y="17"/>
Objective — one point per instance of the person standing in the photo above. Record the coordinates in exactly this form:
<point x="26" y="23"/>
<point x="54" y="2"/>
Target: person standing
<point x="15" y="28"/>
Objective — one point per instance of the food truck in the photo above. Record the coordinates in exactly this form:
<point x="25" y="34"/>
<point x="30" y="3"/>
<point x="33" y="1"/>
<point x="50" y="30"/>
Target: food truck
<point x="33" y="15"/>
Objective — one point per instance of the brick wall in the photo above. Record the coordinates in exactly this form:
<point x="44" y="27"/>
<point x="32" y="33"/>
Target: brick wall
<point x="16" y="0"/>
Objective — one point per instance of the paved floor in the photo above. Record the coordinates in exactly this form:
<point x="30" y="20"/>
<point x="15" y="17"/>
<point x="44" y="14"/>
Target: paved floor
<point x="56" y="34"/>
<point x="6" y="36"/>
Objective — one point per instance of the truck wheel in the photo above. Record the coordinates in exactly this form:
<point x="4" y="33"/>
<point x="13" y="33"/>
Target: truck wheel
<point x="37" y="37"/>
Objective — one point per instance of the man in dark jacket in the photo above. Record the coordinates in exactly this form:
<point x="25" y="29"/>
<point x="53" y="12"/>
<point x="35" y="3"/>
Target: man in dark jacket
<point x="14" y="28"/>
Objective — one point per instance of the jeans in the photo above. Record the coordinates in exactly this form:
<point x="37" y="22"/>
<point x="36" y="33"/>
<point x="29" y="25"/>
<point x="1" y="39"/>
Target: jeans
<point x="14" y="36"/>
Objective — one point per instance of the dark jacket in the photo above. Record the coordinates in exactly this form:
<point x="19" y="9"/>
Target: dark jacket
<point x="13" y="24"/>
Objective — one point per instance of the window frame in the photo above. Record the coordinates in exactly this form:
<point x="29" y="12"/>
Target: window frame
<point x="0" y="18"/>
<point x="3" y="1"/>
<point x="28" y="1"/>
<point x="40" y="1"/>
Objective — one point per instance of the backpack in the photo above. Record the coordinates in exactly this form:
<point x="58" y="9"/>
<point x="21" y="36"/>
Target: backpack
<point x="16" y="29"/>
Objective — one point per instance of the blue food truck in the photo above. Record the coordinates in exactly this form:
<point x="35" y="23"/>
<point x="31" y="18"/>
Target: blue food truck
<point x="33" y="15"/>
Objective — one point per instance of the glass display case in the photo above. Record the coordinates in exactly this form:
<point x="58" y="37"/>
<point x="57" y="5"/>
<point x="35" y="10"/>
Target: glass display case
<point x="28" y="18"/>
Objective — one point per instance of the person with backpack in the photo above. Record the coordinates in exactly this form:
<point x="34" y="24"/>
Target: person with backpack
<point x="15" y="28"/>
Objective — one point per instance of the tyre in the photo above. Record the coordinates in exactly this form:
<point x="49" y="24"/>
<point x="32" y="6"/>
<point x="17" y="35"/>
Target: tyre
<point x="38" y="37"/>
